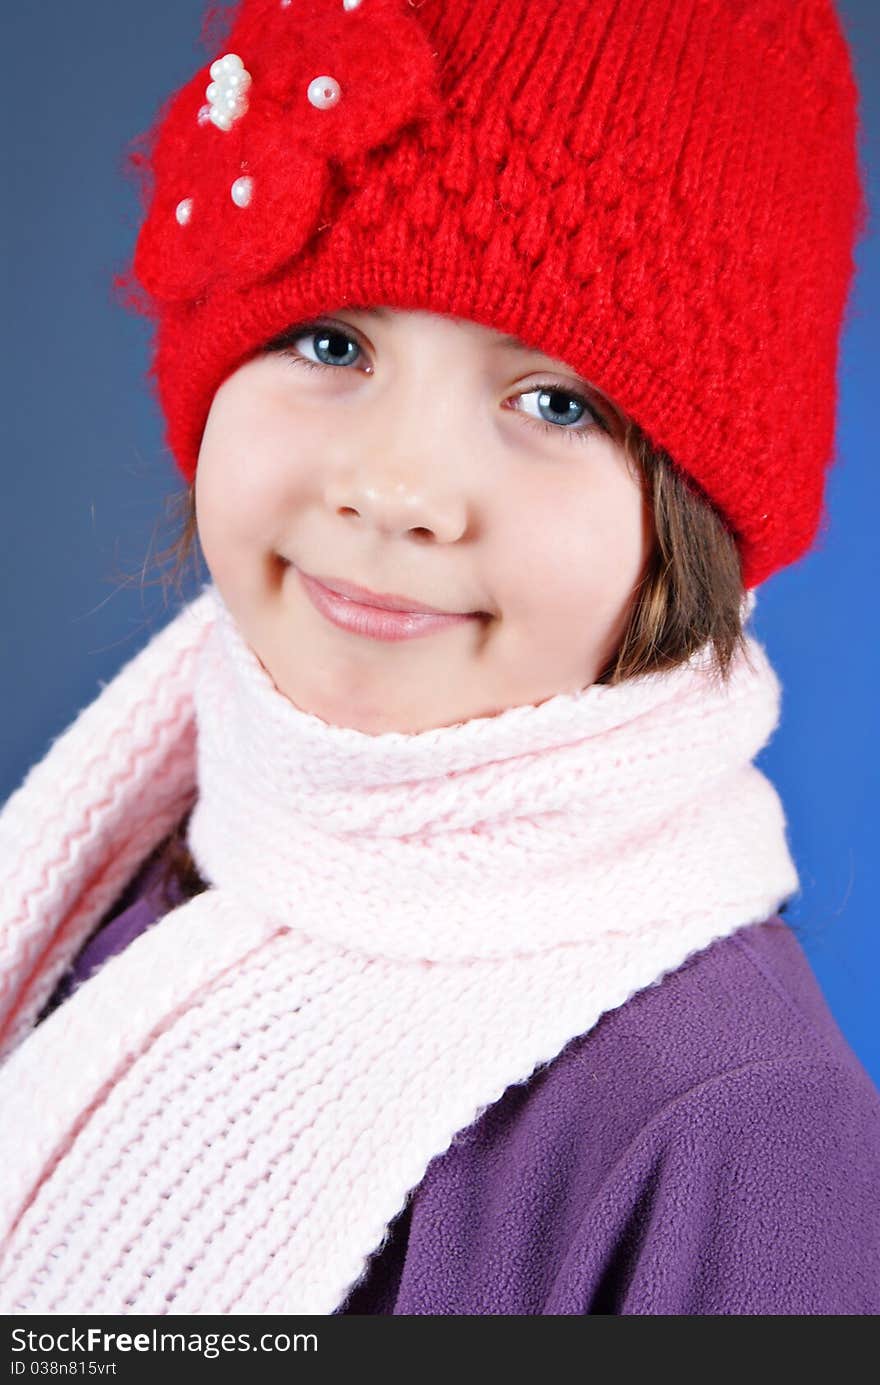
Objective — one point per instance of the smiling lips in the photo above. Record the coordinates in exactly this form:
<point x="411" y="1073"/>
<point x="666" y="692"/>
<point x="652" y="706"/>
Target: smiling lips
<point x="379" y="616"/>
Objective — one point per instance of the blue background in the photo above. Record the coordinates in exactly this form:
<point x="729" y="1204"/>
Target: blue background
<point x="86" y="476"/>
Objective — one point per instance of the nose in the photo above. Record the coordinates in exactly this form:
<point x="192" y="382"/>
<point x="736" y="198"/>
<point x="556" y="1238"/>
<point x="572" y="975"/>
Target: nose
<point x="398" y="505"/>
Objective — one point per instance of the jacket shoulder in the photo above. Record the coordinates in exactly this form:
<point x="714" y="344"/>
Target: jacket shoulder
<point x="754" y="1193"/>
<point x="741" y="1175"/>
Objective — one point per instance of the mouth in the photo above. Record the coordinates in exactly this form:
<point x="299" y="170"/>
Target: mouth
<point x="378" y="615"/>
<point x="383" y="601"/>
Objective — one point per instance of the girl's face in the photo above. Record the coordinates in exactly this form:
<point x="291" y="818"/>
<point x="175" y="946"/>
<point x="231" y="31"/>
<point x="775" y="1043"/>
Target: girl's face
<point x="430" y="458"/>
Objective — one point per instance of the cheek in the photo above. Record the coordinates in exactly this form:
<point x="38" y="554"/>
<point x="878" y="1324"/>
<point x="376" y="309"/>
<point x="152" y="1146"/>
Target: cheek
<point x="247" y="481"/>
<point x="581" y="550"/>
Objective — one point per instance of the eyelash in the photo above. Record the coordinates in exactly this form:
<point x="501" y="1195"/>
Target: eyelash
<point x="285" y="349"/>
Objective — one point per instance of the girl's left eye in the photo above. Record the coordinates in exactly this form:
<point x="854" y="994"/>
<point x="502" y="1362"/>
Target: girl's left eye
<point x="549" y="397"/>
<point x="555" y="398"/>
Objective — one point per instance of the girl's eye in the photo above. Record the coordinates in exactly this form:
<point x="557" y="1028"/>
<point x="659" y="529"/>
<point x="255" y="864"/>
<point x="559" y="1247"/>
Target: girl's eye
<point x="337" y="347"/>
<point x="569" y="408"/>
<point x="332" y="343"/>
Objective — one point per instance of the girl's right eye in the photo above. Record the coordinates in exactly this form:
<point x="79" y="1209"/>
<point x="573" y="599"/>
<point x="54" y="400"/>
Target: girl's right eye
<point x="337" y="345"/>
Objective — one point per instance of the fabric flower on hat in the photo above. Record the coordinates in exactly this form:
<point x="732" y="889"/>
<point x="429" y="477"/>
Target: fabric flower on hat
<point x="247" y="152"/>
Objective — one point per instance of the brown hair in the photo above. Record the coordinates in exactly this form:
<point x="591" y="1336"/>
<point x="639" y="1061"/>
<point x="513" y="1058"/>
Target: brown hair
<point x="689" y="595"/>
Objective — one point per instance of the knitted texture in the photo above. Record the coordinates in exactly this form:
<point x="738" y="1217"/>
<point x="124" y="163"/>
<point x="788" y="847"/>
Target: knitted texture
<point x="227" y="1117"/>
<point x="666" y="196"/>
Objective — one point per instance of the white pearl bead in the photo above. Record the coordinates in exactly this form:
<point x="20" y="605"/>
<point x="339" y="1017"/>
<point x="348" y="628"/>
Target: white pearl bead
<point x="347" y="4"/>
<point x="324" y="92"/>
<point x="242" y="191"/>
<point x="204" y="115"/>
<point x="183" y="210"/>
<point x="227" y="100"/>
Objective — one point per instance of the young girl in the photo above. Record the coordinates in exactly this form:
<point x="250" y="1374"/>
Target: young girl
<point x="400" y="930"/>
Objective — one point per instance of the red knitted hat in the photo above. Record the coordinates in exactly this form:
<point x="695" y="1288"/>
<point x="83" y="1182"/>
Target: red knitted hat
<point x="664" y="194"/>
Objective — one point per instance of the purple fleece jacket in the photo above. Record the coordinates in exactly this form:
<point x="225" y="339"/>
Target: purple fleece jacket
<point x="710" y="1147"/>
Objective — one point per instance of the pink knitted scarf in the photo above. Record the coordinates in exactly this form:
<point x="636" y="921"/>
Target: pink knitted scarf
<point x="229" y="1114"/>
